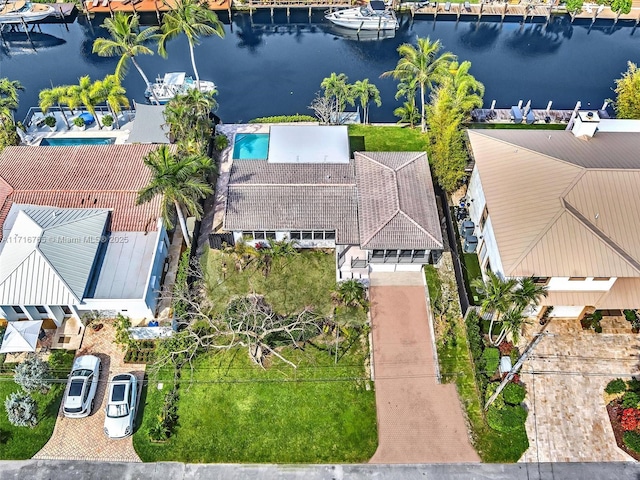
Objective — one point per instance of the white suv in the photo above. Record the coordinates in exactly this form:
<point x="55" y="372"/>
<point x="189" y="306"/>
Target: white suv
<point x="81" y="387"/>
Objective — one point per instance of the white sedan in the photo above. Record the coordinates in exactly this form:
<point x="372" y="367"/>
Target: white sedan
<point x="81" y="387"/>
<point x="121" y="406"/>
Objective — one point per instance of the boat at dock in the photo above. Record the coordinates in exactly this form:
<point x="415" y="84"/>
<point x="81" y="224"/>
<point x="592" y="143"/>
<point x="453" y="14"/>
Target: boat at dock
<point x="372" y="16"/>
<point x="175" y="83"/>
<point x="22" y="11"/>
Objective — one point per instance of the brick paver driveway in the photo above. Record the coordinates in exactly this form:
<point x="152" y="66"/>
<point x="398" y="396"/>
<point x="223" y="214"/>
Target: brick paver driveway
<point x="567" y="420"/>
<point x="419" y="420"/>
<point x="84" y="439"/>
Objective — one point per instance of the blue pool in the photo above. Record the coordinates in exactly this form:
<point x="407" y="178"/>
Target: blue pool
<point x="251" y="146"/>
<point x="72" y="142"/>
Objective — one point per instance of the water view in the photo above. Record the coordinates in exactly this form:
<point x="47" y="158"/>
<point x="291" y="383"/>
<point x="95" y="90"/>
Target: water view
<point x="263" y="68"/>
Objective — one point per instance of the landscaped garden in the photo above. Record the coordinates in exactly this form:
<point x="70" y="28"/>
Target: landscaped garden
<point x="230" y="406"/>
<point x="22" y="442"/>
<point x="623" y="406"/>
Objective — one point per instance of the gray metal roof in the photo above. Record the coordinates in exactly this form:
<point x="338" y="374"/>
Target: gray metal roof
<point x="149" y="125"/>
<point x="603" y="150"/>
<point x="396" y="201"/>
<point x="308" y="144"/>
<point x="49" y="254"/>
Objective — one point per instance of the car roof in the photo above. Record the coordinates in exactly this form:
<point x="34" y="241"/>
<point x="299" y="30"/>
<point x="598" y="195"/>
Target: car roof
<point x="85" y="361"/>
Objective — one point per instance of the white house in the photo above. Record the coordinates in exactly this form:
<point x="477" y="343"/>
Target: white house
<point x="377" y="209"/>
<point x="73" y="238"/>
<point x="561" y="206"/>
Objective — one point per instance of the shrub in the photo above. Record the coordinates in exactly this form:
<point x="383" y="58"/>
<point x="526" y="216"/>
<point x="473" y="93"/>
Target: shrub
<point x="78" y="122"/>
<point x="506" y="419"/>
<point x="123" y="337"/>
<point x="506" y="348"/>
<point x="473" y="334"/>
<point x="630" y="400"/>
<point x="616" y="386"/>
<point x="22" y="409"/>
<point x="491" y="357"/>
<point x="107" y="120"/>
<point x="630" y="418"/>
<point x="33" y="374"/>
<point x="514" y="393"/>
<point x="632" y="441"/>
<point x="50" y="121"/>
<point x="284" y="119"/>
<point x="632" y="385"/>
<point x="220" y="142"/>
<point x="491" y="389"/>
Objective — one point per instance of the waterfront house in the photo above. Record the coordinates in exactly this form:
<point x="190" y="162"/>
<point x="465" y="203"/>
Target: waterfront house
<point x="377" y="209"/>
<point x="73" y="238"/>
<point x="561" y="206"/>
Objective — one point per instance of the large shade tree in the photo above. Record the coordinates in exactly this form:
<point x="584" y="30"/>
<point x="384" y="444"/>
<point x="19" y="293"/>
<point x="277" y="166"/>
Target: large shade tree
<point x="422" y="64"/>
<point x="126" y="41"/>
<point x="195" y="20"/>
<point x="180" y="181"/>
<point x="627" y="103"/>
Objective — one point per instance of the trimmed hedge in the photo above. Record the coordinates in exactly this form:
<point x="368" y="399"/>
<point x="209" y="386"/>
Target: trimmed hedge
<point x="630" y="400"/>
<point x="491" y="358"/>
<point x="285" y="119"/>
<point x="506" y="419"/>
<point x="514" y="393"/>
<point x="632" y="440"/>
<point x="616" y="386"/>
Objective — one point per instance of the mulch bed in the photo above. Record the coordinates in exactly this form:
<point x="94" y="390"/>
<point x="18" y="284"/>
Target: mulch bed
<point x="615" y="412"/>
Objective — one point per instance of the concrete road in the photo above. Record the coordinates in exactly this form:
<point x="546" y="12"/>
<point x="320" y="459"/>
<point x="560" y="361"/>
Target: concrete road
<point x="76" y="470"/>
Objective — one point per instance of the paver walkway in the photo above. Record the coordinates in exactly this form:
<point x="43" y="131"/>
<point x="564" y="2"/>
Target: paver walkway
<point x="568" y="420"/>
<point x="84" y="438"/>
<point x="419" y="420"/>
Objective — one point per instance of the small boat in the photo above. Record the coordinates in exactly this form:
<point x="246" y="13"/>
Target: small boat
<point x="372" y="16"/>
<point x="22" y="11"/>
<point x="175" y="83"/>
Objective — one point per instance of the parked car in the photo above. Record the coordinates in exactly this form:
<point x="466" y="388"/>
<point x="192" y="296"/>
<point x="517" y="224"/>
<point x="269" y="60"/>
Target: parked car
<point x="81" y="387"/>
<point x="121" y="406"/>
<point x="470" y="244"/>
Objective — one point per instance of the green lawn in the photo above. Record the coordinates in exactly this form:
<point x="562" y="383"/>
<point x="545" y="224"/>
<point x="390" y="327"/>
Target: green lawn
<point x="231" y="410"/>
<point x="19" y="443"/>
<point x="455" y="365"/>
<point x="390" y="139"/>
<point x="471" y="269"/>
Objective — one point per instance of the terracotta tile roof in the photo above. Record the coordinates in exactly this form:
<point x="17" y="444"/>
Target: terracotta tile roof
<point x="92" y="176"/>
<point x="567" y="215"/>
<point x="396" y="201"/>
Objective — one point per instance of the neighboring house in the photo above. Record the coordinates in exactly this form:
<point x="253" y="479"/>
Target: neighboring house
<point x="378" y="209"/>
<point x="73" y="238"/>
<point x="561" y="206"/>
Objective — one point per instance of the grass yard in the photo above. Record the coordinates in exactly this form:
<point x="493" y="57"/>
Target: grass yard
<point x="20" y="443"/>
<point x="471" y="270"/>
<point x="230" y="410"/>
<point x="390" y="139"/>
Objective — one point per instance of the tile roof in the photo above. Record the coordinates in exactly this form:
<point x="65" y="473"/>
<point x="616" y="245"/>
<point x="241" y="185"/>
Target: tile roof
<point x="564" y="215"/>
<point x="396" y="201"/>
<point x="90" y="176"/>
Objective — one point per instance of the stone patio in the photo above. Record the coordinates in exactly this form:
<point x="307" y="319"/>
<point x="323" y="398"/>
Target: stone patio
<point x="565" y="378"/>
<point x="84" y="439"/>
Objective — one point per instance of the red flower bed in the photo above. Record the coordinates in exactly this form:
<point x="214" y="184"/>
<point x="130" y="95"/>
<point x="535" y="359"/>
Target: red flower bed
<point x="630" y="419"/>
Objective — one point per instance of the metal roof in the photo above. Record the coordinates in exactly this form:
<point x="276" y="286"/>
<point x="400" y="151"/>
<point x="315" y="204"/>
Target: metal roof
<point x="149" y="125"/>
<point x="308" y="144"/>
<point x="48" y="255"/>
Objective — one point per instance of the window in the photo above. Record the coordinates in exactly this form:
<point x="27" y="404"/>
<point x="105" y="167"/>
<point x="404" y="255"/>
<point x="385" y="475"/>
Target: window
<point x="405" y="253"/>
<point x="483" y="218"/>
<point x="318" y="235"/>
<point x="377" y="254"/>
<point x="66" y="310"/>
<point x="541" y="280"/>
<point x="18" y="310"/>
<point x="295" y="235"/>
<point x="577" y="279"/>
<point x="419" y="253"/>
<point x="307" y="235"/>
<point x="258" y="235"/>
<point x="601" y="279"/>
<point x="330" y="235"/>
<point x="41" y="309"/>
<point x="271" y="235"/>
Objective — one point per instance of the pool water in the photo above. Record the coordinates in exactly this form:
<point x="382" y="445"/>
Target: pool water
<point x="251" y="146"/>
<point x="72" y="142"/>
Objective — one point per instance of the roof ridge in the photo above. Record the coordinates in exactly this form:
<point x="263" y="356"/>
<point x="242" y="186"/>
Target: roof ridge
<point x="376" y="161"/>
<point x="251" y="185"/>
<point x="394" y="215"/>
<point x="58" y="276"/>
<point x="411" y="160"/>
<point x="2" y="280"/>
<point x="408" y="217"/>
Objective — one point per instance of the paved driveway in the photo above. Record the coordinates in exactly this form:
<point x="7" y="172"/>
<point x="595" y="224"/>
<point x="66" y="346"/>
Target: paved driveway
<point x="568" y="421"/>
<point x="84" y="439"/>
<point x="419" y="420"/>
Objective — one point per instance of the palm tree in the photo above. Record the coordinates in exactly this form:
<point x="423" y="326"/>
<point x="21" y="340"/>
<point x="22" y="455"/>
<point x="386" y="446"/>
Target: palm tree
<point x="127" y="41"/>
<point x="180" y="181"/>
<point x="336" y="86"/>
<point x="86" y="93"/>
<point x="194" y="19"/>
<point x="423" y="65"/>
<point x="9" y="97"/>
<point x="528" y="293"/>
<point x="512" y="322"/>
<point x="53" y="96"/>
<point x="497" y="296"/>
<point x="467" y="91"/>
<point x="408" y="113"/>
<point x="188" y="116"/>
<point x="366" y="92"/>
<point x="352" y="294"/>
<point x="114" y="94"/>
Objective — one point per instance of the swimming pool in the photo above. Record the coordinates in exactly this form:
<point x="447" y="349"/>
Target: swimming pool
<point x="72" y="142"/>
<point x="251" y="146"/>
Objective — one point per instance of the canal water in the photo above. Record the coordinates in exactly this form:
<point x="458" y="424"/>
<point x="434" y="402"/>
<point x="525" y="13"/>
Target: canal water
<point x="271" y="68"/>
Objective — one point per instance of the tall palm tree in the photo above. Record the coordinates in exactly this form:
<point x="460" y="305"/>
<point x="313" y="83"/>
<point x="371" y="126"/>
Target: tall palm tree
<point x="512" y="322"/>
<point x="336" y="86"/>
<point x="180" y="181"/>
<point x="127" y="41"/>
<point x="408" y="113"/>
<point x="497" y="296"/>
<point x="352" y="293"/>
<point x="53" y="96"/>
<point x="423" y="65"/>
<point x="86" y="93"/>
<point x="467" y="91"/>
<point x="528" y="293"/>
<point x="366" y="93"/>
<point x="114" y="94"/>
<point x="188" y="116"/>
<point x="9" y="97"/>
<point x="194" y="19"/>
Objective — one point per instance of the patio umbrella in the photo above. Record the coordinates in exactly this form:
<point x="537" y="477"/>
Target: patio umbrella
<point x="21" y="336"/>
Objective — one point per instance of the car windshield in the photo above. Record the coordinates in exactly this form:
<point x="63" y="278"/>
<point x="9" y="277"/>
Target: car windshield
<point x="116" y="411"/>
<point x="75" y="389"/>
<point x="117" y="394"/>
<point x="82" y="372"/>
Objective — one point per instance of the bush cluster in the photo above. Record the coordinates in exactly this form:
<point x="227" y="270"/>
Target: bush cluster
<point x="491" y="358"/>
<point x="630" y="400"/>
<point x="514" y="393"/>
<point x="168" y="419"/>
<point x="284" y="119"/>
<point x="632" y="440"/>
<point x="506" y="414"/>
<point x="143" y="351"/>
<point x="22" y="410"/>
<point x="616" y="386"/>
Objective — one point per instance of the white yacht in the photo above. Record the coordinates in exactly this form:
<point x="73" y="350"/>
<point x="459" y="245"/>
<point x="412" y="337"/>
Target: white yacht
<point x="372" y="16"/>
<point x="22" y="11"/>
<point x="175" y="83"/>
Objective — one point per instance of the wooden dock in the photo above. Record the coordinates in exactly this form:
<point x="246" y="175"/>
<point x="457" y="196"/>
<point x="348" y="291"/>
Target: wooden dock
<point x="145" y="6"/>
